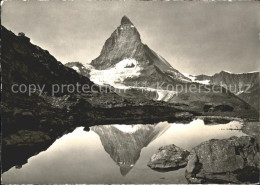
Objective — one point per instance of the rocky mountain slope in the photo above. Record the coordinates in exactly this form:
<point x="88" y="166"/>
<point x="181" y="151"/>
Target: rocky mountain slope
<point x="236" y="82"/>
<point x="29" y="64"/>
<point x="79" y="67"/>
<point x="31" y="122"/>
<point x="244" y="85"/>
<point x="252" y="96"/>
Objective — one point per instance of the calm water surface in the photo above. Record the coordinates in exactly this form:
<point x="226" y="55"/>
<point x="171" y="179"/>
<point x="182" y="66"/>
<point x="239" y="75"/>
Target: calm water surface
<point x="115" y="153"/>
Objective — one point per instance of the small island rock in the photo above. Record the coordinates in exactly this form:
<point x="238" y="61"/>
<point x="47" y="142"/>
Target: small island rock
<point x="169" y="157"/>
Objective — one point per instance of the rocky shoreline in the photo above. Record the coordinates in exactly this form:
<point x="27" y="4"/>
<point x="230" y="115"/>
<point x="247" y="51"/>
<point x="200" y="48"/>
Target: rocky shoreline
<point x="232" y="160"/>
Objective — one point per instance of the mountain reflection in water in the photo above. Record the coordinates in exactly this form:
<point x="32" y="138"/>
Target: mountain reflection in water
<point x="124" y="142"/>
<point x="85" y="157"/>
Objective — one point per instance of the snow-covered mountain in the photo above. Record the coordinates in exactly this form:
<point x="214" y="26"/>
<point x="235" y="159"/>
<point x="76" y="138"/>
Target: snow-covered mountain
<point x="126" y="63"/>
<point x="124" y="59"/>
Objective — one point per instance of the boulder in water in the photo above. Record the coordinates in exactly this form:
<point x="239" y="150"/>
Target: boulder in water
<point x="233" y="160"/>
<point x="169" y="157"/>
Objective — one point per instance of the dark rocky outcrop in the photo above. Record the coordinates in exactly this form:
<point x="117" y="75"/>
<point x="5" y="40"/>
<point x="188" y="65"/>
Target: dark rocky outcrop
<point x="169" y="157"/>
<point x="213" y="108"/>
<point x="214" y="120"/>
<point x="126" y="21"/>
<point x="251" y="128"/>
<point x="233" y="160"/>
<point x="252" y="96"/>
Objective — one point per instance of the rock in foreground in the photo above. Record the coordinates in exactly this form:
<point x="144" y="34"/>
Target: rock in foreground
<point x="168" y="158"/>
<point x="234" y="160"/>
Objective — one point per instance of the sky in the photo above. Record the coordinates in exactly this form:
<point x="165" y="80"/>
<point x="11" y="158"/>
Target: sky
<point x="194" y="37"/>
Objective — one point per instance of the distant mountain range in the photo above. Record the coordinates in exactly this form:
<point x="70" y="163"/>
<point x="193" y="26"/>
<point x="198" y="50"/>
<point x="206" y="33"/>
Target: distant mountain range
<point x="126" y="63"/>
<point x="244" y="85"/>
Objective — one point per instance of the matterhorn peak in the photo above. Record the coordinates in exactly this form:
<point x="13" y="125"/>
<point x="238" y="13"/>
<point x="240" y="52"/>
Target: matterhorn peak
<point x="125" y="45"/>
<point x="125" y="20"/>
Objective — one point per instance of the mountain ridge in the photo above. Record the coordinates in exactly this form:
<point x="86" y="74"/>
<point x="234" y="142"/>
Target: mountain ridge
<point x="125" y="43"/>
<point x="244" y="85"/>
